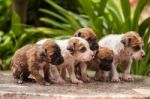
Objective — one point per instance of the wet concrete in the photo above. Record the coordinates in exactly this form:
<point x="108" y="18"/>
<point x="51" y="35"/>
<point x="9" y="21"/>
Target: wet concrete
<point x="138" y="89"/>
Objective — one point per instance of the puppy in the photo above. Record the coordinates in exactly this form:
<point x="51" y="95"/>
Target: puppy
<point x="31" y="58"/>
<point x="125" y="47"/>
<point x="73" y="49"/>
<point x="89" y="35"/>
<point x="101" y="63"/>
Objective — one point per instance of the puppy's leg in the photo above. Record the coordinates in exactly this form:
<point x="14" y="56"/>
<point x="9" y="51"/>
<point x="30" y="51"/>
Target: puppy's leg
<point x="35" y="73"/>
<point x="71" y="72"/>
<point x="106" y="76"/>
<point x="46" y="70"/>
<point x="56" y="74"/>
<point x="84" y="72"/>
<point x="127" y="76"/>
<point x="98" y="75"/>
<point x="115" y="75"/>
<point x="63" y="72"/>
<point x="17" y="74"/>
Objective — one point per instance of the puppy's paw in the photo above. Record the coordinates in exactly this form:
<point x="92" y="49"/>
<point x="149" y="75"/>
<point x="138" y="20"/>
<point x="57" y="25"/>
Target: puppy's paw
<point x="30" y="80"/>
<point x="128" y="78"/>
<point x="48" y="80"/>
<point x="60" y="81"/>
<point x="115" y="79"/>
<point x="98" y="78"/>
<point x="76" y="81"/>
<point x="86" y="79"/>
<point x="42" y="83"/>
<point x="19" y="81"/>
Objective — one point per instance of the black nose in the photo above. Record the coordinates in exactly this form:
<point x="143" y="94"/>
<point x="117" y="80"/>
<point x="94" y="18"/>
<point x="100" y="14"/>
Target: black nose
<point x="94" y="46"/>
<point x="105" y="66"/>
<point x="57" y="60"/>
<point x="143" y="56"/>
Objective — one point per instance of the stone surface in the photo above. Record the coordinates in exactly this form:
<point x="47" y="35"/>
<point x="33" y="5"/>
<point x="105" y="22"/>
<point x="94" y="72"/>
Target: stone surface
<point x="138" y="89"/>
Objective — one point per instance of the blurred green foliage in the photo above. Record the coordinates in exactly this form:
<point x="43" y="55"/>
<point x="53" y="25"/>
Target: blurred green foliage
<point x="60" y="21"/>
<point x="5" y="15"/>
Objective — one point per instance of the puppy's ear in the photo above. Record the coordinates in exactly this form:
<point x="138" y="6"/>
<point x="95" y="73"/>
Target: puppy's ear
<point x="78" y="34"/>
<point x="42" y="52"/>
<point x="71" y="48"/>
<point x="126" y="41"/>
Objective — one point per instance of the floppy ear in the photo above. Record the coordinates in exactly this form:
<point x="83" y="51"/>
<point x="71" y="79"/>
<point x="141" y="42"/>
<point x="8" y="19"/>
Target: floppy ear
<point x="126" y="41"/>
<point x="42" y="52"/>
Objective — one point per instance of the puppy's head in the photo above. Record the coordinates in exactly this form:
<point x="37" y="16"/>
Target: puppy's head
<point x="51" y="51"/>
<point x="105" y="58"/>
<point x="89" y="35"/>
<point x="134" y="43"/>
<point x="79" y="48"/>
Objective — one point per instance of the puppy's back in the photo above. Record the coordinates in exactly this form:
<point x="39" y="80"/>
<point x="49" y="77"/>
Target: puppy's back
<point x="20" y="55"/>
<point x="112" y="42"/>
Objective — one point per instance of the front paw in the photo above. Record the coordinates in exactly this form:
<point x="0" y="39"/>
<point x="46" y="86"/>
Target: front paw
<point x="98" y="78"/>
<point x="128" y="78"/>
<point x="115" y="79"/>
<point x="41" y="82"/>
<point x="76" y="81"/>
<point x="60" y="81"/>
<point x="19" y="81"/>
<point x="86" y="79"/>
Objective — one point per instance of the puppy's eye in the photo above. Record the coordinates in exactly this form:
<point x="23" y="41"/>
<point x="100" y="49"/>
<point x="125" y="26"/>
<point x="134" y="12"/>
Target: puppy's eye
<point x="103" y="59"/>
<point x="136" y="48"/>
<point x="83" y="49"/>
<point x="106" y="60"/>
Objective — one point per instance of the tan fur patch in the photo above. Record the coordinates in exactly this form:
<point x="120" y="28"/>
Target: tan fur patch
<point x="76" y="44"/>
<point x="50" y="45"/>
<point x="85" y="33"/>
<point x="134" y="37"/>
<point x="104" y="53"/>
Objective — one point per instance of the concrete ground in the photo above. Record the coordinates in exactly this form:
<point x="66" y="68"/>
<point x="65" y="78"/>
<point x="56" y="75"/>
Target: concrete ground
<point x="138" y="89"/>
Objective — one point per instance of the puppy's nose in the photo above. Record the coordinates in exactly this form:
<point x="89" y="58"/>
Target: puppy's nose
<point x="143" y="56"/>
<point x="92" y="55"/>
<point x="96" y="46"/>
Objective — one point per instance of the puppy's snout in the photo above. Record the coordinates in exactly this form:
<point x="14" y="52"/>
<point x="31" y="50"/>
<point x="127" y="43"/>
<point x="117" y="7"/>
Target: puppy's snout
<point x="57" y="60"/>
<point x="61" y="60"/>
<point x="105" y="67"/>
<point x="92" y="54"/>
<point x="143" y="54"/>
<point x="93" y="46"/>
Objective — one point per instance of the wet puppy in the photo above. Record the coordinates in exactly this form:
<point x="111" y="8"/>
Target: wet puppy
<point x="125" y="47"/>
<point x="89" y="35"/>
<point x="73" y="50"/>
<point x="31" y="58"/>
<point x="101" y="63"/>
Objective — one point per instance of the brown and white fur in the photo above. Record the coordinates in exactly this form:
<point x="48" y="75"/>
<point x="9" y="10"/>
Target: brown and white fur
<point x="89" y="35"/>
<point x="73" y="50"/>
<point x="125" y="47"/>
<point x="101" y="64"/>
<point x="31" y="58"/>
